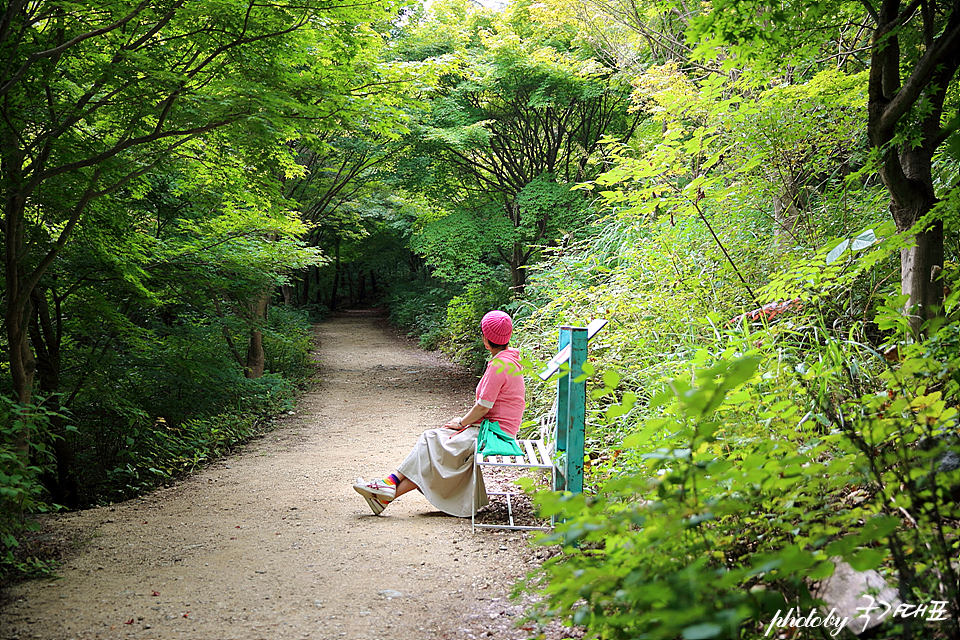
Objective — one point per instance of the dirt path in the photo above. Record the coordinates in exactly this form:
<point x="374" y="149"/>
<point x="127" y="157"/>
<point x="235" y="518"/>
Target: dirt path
<point x="274" y="543"/>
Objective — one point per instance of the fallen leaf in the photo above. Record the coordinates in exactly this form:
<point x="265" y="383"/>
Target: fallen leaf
<point x="130" y="621"/>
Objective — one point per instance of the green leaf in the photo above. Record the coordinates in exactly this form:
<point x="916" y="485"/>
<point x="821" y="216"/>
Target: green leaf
<point x="867" y="559"/>
<point x="611" y="379"/>
<point x="877" y="527"/>
<point x="641" y="439"/>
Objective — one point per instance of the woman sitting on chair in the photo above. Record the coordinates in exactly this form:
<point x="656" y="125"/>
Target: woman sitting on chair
<point x="441" y="464"/>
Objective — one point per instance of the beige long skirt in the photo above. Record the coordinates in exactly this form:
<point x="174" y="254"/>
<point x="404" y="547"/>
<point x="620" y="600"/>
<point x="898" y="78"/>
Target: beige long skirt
<point x="441" y="465"/>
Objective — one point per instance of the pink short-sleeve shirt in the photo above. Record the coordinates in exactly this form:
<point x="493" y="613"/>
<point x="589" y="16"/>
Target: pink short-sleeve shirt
<point x="501" y="390"/>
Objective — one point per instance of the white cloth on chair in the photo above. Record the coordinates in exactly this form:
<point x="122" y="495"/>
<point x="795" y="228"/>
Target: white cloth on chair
<point x="441" y="465"/>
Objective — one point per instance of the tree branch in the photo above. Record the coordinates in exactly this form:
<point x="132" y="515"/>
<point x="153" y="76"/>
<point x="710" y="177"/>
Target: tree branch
<point x="123" y="145"/>
<point x="33" y="58"/>
<point x="91" y="194"/>
<point x="939" y="54"/>
<point x="873" y="12"/>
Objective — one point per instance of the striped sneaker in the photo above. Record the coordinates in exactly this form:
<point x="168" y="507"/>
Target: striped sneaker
<point x="378" y="489"/>
<point x="376" y="504"/>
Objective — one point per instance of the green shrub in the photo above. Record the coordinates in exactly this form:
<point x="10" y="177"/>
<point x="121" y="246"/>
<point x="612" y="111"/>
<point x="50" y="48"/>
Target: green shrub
<point x="134" y="451"/>
<point x="789" y="445"/>
<point x="419" y="307"/>
<point x="21" y="493"/>
<point x="286" y="342"/>
<point x="462" y="339"/>
<point x="316" y="312"/>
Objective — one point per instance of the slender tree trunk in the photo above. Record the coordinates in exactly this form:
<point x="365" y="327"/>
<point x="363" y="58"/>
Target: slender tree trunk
<point x="288" y="294"/>
<point x="518" y="271"/>
<point x="919" y="267"/>
<point x="19" y="308"/>
<point x="256" y="357"/>
<point x="336" y="276"/>
<point x="921" y="262"/>
<point x="17" y="301"/>
<point x="46" y="330"/>
<point x="22" y="361"/>
<point x="908" y="176"/>
<point x="786" y="215"/>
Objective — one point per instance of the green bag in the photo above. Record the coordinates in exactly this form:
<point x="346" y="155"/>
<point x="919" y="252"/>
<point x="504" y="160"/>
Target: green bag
<point x="494" y="441"/>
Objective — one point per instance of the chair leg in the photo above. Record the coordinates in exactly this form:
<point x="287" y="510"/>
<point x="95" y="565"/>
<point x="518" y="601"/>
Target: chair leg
<point x="473" y="498"/>
<point x="553" y="482"/>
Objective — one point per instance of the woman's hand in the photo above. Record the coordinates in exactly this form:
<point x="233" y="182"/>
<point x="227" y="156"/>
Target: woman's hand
<point x="473" y="417"/>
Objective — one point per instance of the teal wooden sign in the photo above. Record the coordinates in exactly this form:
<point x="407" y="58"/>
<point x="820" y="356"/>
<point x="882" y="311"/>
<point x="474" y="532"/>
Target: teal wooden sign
<point x="571" y="403"/>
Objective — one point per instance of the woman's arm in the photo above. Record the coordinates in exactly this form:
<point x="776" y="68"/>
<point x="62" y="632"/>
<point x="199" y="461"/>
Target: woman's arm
<point x="474" y="415"/>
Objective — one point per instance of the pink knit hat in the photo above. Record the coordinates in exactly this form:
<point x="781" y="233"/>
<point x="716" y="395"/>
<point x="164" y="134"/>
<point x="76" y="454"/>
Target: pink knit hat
<point x="497" y="327"/>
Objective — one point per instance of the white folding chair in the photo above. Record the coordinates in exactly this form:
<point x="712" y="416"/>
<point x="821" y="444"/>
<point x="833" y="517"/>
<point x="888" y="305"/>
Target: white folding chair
<point x="538" y="454"/>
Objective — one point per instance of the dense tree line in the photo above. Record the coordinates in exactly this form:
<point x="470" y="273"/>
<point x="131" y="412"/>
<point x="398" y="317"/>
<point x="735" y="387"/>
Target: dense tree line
<point x="148" y="155"/>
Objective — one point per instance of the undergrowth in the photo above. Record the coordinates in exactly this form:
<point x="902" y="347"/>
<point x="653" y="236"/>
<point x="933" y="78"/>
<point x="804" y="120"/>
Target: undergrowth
<point x="114" y="442"/>
<point x="737" y="458"/>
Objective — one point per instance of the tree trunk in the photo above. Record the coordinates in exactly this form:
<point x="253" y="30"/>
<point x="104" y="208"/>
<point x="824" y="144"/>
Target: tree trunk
<point x="909" y="180"/>
<point x="906" y="168"/>
<point x="518" y="270"/>
<point x="17" y="312"/>
<point x="919" y="266"/>
<point x="22" y="361"/>
<point x="46" y="336"/>
<point x="45" y="332"/>
<point x="256" y="357"/>
<point x="336" y="276"/>
<point x="786" y="215"/>
<point x="19" y="309"/>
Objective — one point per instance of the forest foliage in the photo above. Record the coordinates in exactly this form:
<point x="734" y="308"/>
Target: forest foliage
<point x="760" y="197"/>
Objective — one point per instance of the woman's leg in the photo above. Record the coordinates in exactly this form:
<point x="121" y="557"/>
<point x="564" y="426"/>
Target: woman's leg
<point x="406" y="485"/>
